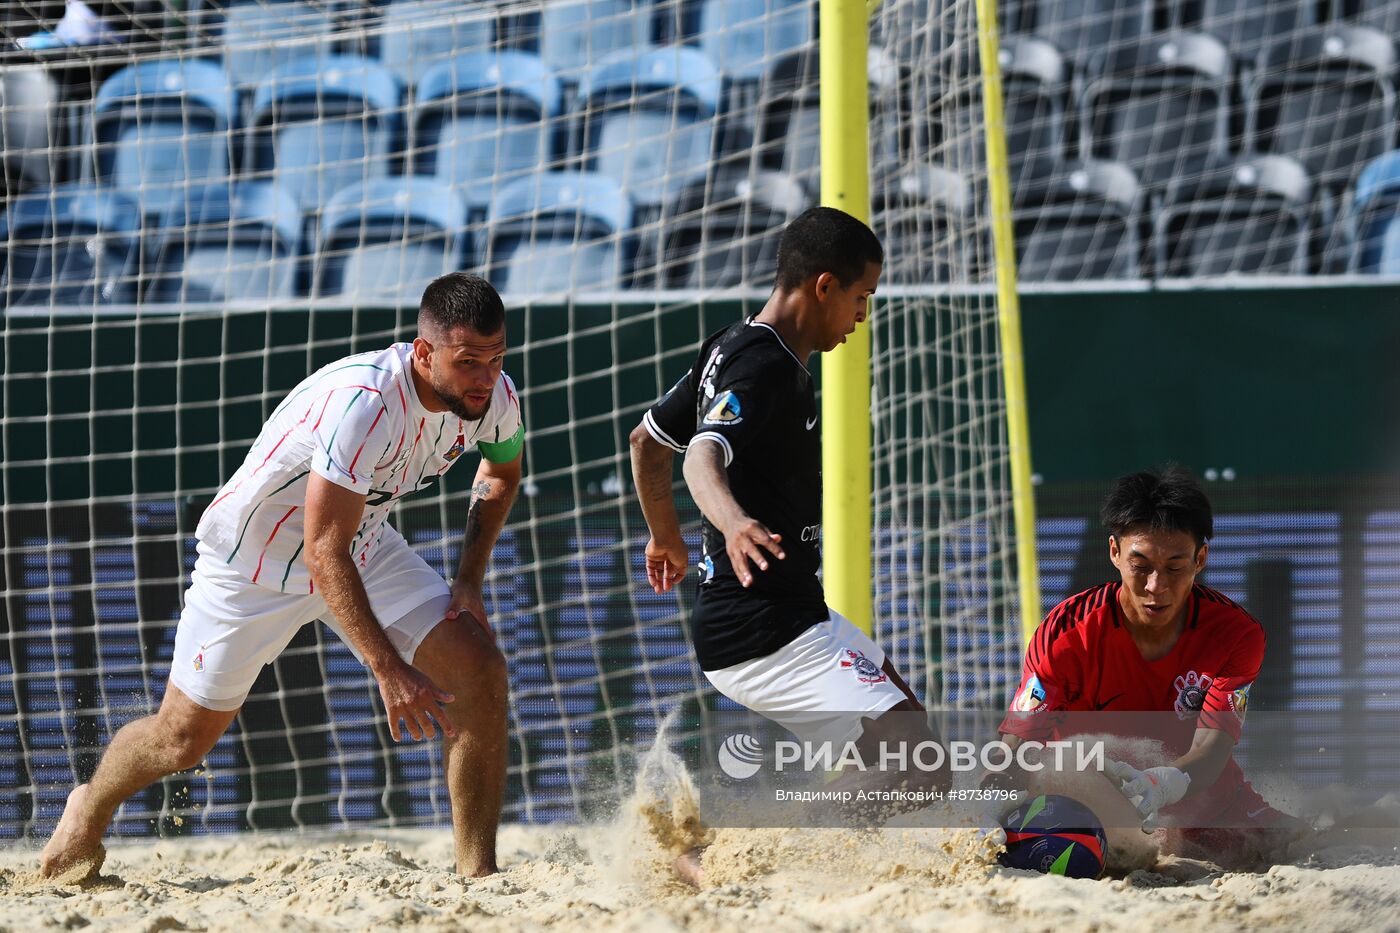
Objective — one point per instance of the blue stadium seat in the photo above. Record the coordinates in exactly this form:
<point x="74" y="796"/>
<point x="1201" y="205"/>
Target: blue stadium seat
<point x="1326" y="97"/>
<point x="1079" y="222"/>
<point x="419" y="35"/>
<point x="923" y="206"/>
<point x="261" y="37"/>
<point x="71" y="245"/>
<point x="1085" y="28"/>
<point x="1374" y="216"/>
<point x="724" y="230"/>
<point x="1382" y="15"/>
<point x="220" y="244"/>
<point x="388" y="238"/>
<point x="575" y="34"/>
<point x="746" y="37"/>
<point x="1160" y="105"/>
<point x="162" y="125"/>
<point x="29" y="126"/>
<point x="1034" y="79"/>
<point x="789" y="117"/>
<point x="1245" y="26"/>
<point x="647" y="120"/>
<point x="320" y="125"/>
<point x="558" y="232"/>
<point x="1246" y="216"/>
<point x="484" y="120"/>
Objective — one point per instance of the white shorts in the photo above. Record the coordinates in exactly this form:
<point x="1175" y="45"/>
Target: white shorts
<point x="231" y="627"/>
<point x="819" y="686"/>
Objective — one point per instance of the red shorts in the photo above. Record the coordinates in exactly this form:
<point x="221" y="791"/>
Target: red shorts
<point x="1245" y="831"/>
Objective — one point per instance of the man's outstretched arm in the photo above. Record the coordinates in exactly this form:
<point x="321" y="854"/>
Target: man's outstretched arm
<point x="493" y="493"/>
<point x="652" y="465"/>
<point x="745" y="538"/>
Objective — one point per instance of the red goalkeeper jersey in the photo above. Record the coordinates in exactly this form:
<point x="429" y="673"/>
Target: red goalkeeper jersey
<point x="1082" y="659"/>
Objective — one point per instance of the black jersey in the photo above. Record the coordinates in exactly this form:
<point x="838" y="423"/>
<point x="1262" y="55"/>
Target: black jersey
<point x="748" y="393"/>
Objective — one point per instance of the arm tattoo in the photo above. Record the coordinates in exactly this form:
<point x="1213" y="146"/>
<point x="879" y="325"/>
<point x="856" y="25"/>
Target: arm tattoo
<point x="473" y="530"/>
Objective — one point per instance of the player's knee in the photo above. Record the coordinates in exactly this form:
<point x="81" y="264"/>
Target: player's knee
<point x="477" y="664"/>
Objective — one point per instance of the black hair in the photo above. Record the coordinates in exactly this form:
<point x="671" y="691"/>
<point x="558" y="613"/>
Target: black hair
<point x="1168" y="499"/>
<point x="824" y="239"/>
<point x="460" y="299"/>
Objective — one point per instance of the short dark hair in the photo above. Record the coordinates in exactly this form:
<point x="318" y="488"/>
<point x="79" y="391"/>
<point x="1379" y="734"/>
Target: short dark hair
<point x="823" y="239"/>
<point x="1168" y="499"/>
<point x="460" y="299"/>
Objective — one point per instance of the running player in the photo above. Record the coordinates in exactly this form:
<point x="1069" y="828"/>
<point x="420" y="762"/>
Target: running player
<point x="745" y="417"/>
<point x="1157" y="641"/>
<point x="300" y="532"/>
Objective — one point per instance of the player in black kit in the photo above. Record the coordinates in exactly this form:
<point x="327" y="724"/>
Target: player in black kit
<point x="746" y="418"/>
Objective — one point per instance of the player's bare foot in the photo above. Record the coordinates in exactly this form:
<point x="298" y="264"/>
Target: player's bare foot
<point x="74" y="853"/>
<point x="688" y="868"/>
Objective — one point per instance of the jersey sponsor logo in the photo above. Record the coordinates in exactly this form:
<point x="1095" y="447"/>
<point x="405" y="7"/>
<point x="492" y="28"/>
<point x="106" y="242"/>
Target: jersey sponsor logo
<point x="726" y="410"/>
<point x="1031" y="699"/>
<point x="812" y="533"/>
<point x="707" y="570"/>
<point x="1239" y="700"/>
<point x="456" y="449"/>
<point x="707" y="375"/>
<point x="866" y="671"/>
<point x="1191" y="689"/>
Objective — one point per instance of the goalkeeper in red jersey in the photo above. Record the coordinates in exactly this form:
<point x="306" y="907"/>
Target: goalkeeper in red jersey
<point x="1157" y="641"/>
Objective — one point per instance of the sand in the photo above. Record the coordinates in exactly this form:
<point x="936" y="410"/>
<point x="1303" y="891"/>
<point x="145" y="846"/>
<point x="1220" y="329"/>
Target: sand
<point x="617" y="876"/>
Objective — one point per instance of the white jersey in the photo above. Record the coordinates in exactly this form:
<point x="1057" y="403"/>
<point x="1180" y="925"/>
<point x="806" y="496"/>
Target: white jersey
<point x="359" y="423"/>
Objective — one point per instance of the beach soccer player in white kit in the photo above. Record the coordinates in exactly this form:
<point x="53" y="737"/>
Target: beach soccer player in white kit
<point x="300" y="532"/>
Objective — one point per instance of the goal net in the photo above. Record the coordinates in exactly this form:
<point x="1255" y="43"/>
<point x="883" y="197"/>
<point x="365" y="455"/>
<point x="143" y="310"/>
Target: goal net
<point x="207" y="201"/>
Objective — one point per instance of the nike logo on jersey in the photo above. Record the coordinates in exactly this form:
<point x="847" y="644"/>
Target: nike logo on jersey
<point x="1251" y="814"/>
<point x="1105" y="703"/>
<point x="812" y="424"/>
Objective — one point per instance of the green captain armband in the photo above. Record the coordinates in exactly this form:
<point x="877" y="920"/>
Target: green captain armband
<point x="503" y="451"/>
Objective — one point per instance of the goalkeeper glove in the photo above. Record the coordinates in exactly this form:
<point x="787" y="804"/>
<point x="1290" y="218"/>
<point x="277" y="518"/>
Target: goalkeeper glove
<point x="1149" y="790"/>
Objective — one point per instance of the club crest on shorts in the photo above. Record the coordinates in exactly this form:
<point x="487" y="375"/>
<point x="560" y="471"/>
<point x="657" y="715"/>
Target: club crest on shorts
<point x="866" y="670"/>
<point x="725" y="410"/>
<point x="456" y="449"/>
<point x="1031" y="697"/>
<point x="1191" y="691"/>
<point x="199" y="659"/>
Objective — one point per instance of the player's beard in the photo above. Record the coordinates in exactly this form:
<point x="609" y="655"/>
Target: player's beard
<point x="457" y="404"/>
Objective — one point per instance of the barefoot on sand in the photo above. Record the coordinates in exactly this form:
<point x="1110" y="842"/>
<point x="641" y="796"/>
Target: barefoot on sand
<point x="74" y="854"/>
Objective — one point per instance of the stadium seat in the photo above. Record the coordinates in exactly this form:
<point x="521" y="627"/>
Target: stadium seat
<point x="29" y="126"/>
<point x="1326" y="97"/>
<point x="1245" y="26"/>
<point x="557" y="232"/>
<point x="1079" y="222"/>
<point x="1034" y="76"/>
<point x="483" y="120"/>
<point x="260" y="37"/>
<point x="1085" y="28"/>
<point x="385" y="239"/>
<point x="575" y="34"/>
<point x="1373" y="215"/>
<point x="224" y="243"/>
<point x="647" y="120"/>
<point x="724" y="230"/>
<point x="320" y="125"/>
<point x="74" y="245"/>
<point x="928" y="215"/>
<point x="789" y="134"/>
<point x="1382" y="15"/>
<point x="1160" y="105"/>
<point x="1246" y="216"/>
<point x="419" y="35"/>
<point x="160" y="126"/>
<point x="746" y="37"/>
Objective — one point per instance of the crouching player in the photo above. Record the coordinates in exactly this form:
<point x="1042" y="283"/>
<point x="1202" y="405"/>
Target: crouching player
<point x="1156" y="641"/>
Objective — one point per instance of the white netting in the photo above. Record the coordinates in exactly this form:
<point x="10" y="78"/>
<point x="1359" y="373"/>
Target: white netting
<point x="216" y="200"/>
